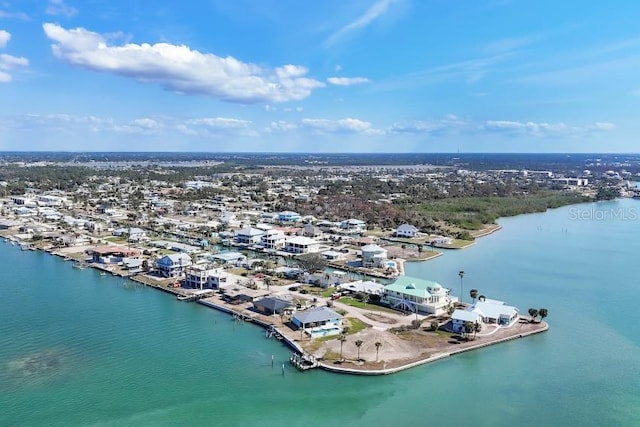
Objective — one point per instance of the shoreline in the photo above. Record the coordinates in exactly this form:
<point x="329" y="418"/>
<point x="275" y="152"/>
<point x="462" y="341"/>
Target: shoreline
<point x="243" y="313"/>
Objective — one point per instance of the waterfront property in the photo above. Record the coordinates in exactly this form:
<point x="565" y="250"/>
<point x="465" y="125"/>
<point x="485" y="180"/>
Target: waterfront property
<point x="417" y="295"/>
<point x="373" y="256"/>
<point x="173" y="265"/>
<point x="493" y="311"/>
<point x="406" y="230"/>
<point x="202" y="276"/>
<point x="301" y="245"/>
<point x="318" y="321"/>
<point x="111" y="254"/>
<point x="248" y="236"/>
<point x="272" y="305"/>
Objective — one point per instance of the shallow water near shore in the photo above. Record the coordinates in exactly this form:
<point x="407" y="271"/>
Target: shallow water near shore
<point x="77" y="348"/>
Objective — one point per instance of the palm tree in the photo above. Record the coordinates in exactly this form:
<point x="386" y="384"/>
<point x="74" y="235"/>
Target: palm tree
<point x="461" y="274"/>
<point x="533" y="312"/>
<point x="543" y="312"/>
<point x="343" y="339"/>
<point x="468" y="328"/>
<point x="473" y="293"/>
<point x="378" y="345"/>
<point x="358" y="344"/>
<point x="482" y="298"/>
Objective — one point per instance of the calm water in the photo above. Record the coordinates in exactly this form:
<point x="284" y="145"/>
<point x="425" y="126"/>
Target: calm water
<point x="77" y="348"/>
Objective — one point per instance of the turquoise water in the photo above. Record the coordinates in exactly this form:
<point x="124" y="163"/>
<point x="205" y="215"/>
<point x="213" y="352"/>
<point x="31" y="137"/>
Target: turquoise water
<point x="77" y="348"/>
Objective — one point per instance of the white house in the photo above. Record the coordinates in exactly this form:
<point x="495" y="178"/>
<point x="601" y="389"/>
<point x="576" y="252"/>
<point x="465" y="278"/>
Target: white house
<point x="273" y="239"/>
<point x="406" y="230"/>
<point x="487" y="311"/>
<point x="352" y="224"/>
<point x="301" y="245"/>
<point x="201" y="277"/>
<point x="417" y="295"/>
<point x="173" y="265"/>
<point x="460" y="317"/>
<point x="248" y="236"/>
<point x="230" y="258"/>
<point x="373" y="256"/>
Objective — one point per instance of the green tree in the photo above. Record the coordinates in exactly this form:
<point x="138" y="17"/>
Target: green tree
<point x="378" y="345"/>
<point x="543" y="312"/>
<point x="533" y="312"/>
<point x="343" y="339"/>
<point x="358" y="344"/>
<point x="434" y="325"/>
<point x="473" y="293"/>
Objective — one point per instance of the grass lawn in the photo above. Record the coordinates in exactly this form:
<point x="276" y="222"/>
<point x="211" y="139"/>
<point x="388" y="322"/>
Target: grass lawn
<point x="356" y="325"/>
<point x="369" y="306"/>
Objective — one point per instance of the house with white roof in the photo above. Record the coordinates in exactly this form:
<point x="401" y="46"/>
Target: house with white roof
<point x="486" y="311"/>
<point x="373" y="256"/>
<point x="273" y="239"/>
<point x="406" y="230"/>
<point x="249" y="236"/>
<point x="301" y="245"/>
<point x="205" y="277"/>
<point x="417" y="295"/>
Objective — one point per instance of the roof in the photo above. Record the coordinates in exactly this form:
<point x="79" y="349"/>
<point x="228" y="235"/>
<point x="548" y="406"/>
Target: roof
<point x="301" y="240"/>
<point x="372" y="248"/>
<point x="112" y="250"/>
<point x="273" y="304"/>
<point x="319" y="314"/>
<point x="414" y="286"/>
<point x="407" y="227"/>
<point x="493" y="310"/>
<point x="229" y="256"/>
<point x="249" y="231"/>
<point x="465" y="316"/>
<point x="360" y="286"/>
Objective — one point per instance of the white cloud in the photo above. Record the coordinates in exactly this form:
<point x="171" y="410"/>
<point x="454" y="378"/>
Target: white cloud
<point x="5" y="36"/>
<point x="13" y="15"/>
<point x="220" y="123"/>
<point x="344" y="126"/>
<point x="375" y="11"/>
<point x="181" y="69"/>
<point x="635" y="92"/>
<point x="8" y="62"/>
<point x="59" y="8"/>
<point x="347" y="81"/>
<point x="449" y="123"/>
<point x="4" y="77"/>
<point x="543" y="129"/>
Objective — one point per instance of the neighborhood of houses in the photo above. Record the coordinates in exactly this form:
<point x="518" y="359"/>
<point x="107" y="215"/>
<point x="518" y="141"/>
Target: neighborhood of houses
<point x="312" y="277"/>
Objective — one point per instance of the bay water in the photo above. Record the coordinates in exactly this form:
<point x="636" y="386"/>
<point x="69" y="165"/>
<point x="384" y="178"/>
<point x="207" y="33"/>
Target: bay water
<point x="81" y="349"/>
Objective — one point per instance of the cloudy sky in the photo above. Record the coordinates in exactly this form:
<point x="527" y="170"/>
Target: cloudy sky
<point x="320" y="76"/>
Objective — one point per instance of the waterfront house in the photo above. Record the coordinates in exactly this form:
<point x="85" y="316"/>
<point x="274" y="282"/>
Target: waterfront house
<point x="493" y="311"/>
<point x="288" y="216"/>
<point x="112" y="254"/>
<point x="417" y="295"/>
<point x="374" y="256"/>
<point x="460" y="317"/>
<point x="202" y="276"/>
<point x="273" y="239"/>
<point x="301" y="245"/>
<point x="272" y="305"/>
<point x="406" y="230"/>
<point x="365" y="287"/>
<point x="320" y="321"/>
<point x="248" y="236"/>
<point x="173" y="265"/>
<point x="230" y="258"/>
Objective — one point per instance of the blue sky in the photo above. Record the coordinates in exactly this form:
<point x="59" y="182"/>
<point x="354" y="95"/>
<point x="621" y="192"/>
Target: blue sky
<point x="320" y="76"/>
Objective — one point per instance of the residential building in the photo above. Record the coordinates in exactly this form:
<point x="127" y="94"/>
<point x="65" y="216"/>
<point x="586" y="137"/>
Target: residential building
<point x="273" y="239"/>
<point x="320" y="321"/>
<point x="204" y="277"/>
<point x="406" y="230"/>
<point x="354" y="225"/>
<point x="249" y="236"/>
<point x="288" y="216"/>
<point x="301" y="245"/>
<point x="374" y="256"/>
<point x="173" y="265"/>
<point x="417" y="295"/>
<point x="272" y="305"/>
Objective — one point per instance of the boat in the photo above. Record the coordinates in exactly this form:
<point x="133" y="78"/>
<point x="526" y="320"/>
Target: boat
<point x="103" y="273"/>
<point x="79" y="265"/>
